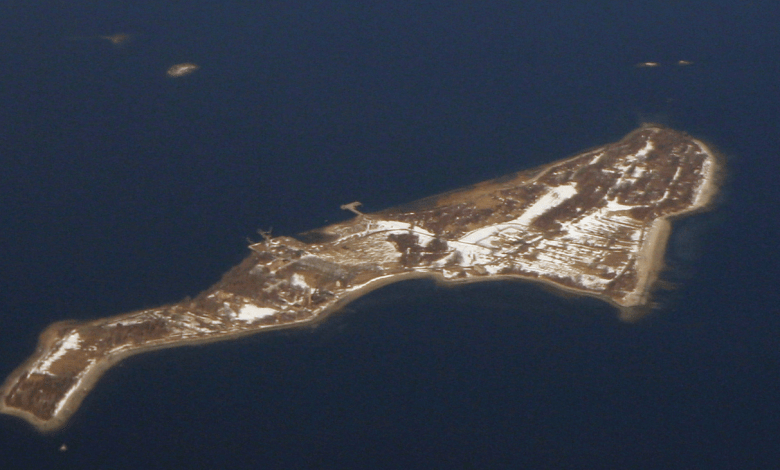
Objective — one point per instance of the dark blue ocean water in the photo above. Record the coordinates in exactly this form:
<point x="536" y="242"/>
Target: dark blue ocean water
<point x="123" y="189"/>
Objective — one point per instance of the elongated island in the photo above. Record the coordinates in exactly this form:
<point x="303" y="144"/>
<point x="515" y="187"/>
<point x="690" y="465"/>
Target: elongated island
<point x="594" y="224"/>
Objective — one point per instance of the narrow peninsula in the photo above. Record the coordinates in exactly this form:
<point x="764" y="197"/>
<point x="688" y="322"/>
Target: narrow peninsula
<point x="594" y="224"/>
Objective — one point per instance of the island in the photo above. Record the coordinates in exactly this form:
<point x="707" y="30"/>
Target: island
<point x="594" y="224"/>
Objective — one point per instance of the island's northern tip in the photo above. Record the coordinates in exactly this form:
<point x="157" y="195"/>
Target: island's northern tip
<point x="593" y="224"/>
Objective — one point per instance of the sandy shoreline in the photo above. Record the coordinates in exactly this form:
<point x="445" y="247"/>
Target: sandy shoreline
<point x="653" y="251"/>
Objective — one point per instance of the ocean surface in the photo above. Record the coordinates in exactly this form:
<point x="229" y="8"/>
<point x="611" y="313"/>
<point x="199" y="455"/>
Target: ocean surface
<point x="122" y="188"/>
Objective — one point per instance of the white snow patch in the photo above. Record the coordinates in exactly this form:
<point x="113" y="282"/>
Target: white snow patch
<point x="549" y="201"/>
<point x="614" y="206"/>
<point x="387" y="225"/>
<point x="251" y="313"/>
<point x="299" y="281"/>
<point x="638" y="171"/>
<point x="73" y="388"/>
<point x="71" y="341"/>
<point x="647" y="148"/>
<point x="480" y="234"/>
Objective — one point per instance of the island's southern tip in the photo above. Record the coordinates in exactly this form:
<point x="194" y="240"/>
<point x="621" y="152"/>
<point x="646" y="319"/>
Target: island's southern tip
<point x="594" y="224"/>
